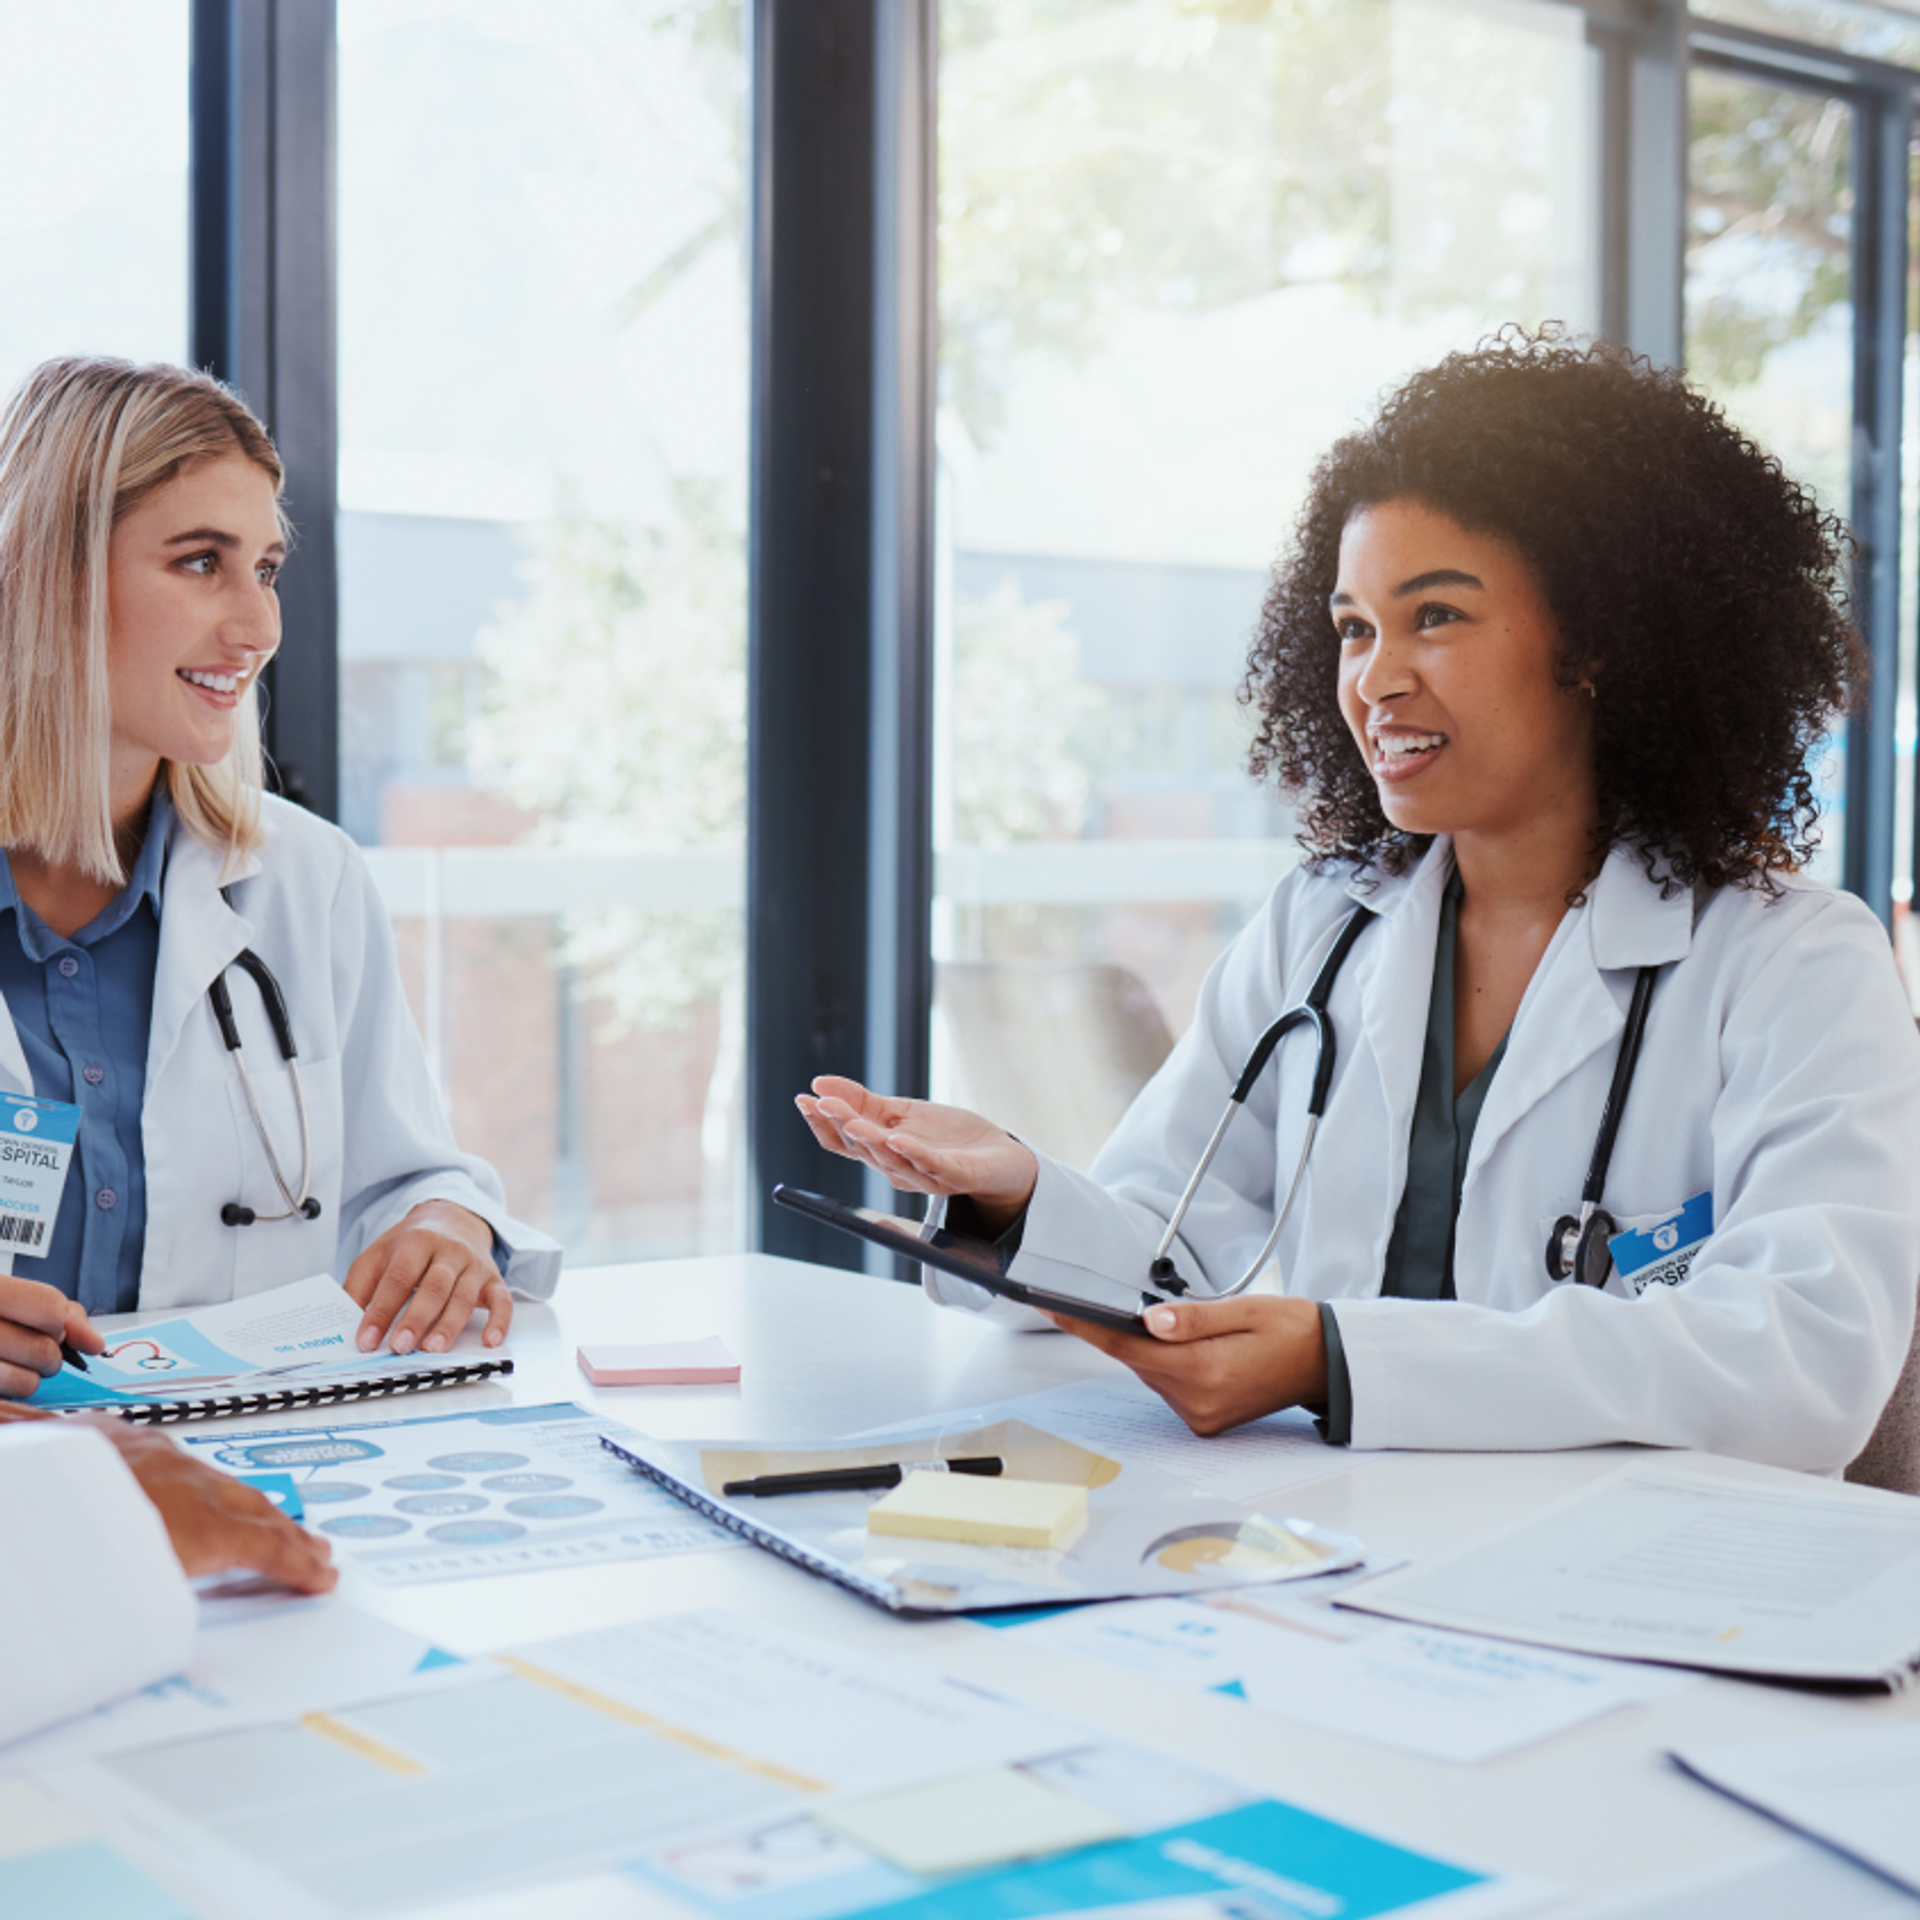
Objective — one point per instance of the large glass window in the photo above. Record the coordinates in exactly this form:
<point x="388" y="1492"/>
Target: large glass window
<point x="543" y="376"/>
<point x="93" y="157"/>
<point x="1769" y="305"/>
<point x="1182" y="248"/>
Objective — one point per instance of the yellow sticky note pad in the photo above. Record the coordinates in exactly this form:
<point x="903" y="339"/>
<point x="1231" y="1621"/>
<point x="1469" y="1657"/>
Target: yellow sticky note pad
<point x="991" y="1513"/>
<point x="978" y="1820"/>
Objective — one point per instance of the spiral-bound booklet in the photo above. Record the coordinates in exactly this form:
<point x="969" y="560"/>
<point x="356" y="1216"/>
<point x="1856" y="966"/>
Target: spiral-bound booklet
<point x="1146" y="1532"/>
<point x="290" y="1347"/>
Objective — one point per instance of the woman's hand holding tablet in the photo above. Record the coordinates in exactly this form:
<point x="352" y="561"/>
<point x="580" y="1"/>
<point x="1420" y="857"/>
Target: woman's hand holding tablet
<point x="1219" y="1363"/>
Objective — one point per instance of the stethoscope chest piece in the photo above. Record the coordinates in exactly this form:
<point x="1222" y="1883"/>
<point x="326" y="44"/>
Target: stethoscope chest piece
<point x="1578" y="1250"/>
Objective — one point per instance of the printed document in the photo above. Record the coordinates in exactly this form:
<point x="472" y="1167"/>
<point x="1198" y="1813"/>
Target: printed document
<point x="1450" y="1696"/>
<point x="1654" y="1566"/>
<point x="450" y="1496"/>
<point x="294" y="1326"/>
<point x="744" y="1771"/>
<point x="252" y="1663"/>
<point x="1858" y="1791"/>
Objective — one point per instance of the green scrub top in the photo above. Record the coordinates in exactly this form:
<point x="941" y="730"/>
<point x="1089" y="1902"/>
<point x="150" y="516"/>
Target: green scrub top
<point x="1420" y="1254"/>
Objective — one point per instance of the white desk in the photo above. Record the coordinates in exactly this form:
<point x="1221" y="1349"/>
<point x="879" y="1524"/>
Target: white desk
<point x="825" y="1353"/>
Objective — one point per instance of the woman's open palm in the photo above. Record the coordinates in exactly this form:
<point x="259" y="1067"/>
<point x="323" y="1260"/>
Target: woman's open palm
<point x="922" y="1147"/>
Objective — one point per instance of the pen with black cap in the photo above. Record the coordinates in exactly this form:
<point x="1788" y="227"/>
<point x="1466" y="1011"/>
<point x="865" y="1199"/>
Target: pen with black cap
<point x="856" y="1479"/>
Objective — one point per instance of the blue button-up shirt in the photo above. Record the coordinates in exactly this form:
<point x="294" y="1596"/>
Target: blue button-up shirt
<point x="82" y="1007"/>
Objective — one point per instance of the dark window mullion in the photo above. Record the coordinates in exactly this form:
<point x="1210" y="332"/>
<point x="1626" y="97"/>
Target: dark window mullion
<point x="263" y="280"/>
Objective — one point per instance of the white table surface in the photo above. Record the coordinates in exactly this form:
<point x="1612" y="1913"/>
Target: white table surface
<point x="825" y="1352"/>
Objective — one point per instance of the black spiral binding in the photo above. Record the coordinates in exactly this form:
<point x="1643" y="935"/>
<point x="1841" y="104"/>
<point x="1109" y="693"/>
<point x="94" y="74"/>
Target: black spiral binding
<point x="882" y="1592"/>
<point x="167" y="1413"/>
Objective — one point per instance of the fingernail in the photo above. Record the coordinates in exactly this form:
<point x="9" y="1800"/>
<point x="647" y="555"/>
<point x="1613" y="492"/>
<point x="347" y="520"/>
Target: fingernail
<point x="403" y="1342"/>
<point x="1160" y="1320"/>
<point x="367" y="1339"/>
<point x="494" y="1336"/>
<point x="436" y="1342"/>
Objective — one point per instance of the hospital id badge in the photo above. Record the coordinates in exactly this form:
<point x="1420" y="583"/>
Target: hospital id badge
<point x="36" y="1142"/>
<point x="1662" y="1255"/>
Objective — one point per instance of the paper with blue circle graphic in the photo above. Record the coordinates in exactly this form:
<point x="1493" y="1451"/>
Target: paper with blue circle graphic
<point x="452" y="1496"/>
<point x="36" y="1145"/>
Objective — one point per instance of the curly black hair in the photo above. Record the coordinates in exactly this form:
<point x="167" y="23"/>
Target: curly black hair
<point x="1699" y="588"/>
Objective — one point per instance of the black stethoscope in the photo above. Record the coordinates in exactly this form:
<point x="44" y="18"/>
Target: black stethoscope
<point x="299" y="1202"/>
<point x="1577" y="1248"/>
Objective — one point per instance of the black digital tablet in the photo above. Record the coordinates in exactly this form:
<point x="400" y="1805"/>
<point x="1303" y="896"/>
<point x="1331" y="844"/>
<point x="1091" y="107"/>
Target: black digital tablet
<point x="962" y="1254"/>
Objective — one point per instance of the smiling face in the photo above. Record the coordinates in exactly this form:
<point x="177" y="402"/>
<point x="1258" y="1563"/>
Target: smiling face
<point x="193" y="616"/>
<point x="1447" y="678"/>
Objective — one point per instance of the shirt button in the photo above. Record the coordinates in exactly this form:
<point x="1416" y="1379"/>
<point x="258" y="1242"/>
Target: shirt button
<point x="93" y="1075"/>
<point x="69" y="966"/>
<point x="106" y="1199"/>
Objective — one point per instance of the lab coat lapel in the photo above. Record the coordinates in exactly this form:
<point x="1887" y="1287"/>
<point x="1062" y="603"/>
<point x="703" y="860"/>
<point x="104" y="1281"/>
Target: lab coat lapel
<point x="1576" y="1002"/>
<point x="199" y="935"/>
<point x="1396" y="984"/>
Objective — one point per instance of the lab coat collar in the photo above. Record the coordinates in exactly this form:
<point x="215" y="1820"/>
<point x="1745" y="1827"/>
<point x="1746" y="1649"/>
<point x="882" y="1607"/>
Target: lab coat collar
<point x="1629" y="923"/>
<point x="1387" y="893"/>
<point x="1394" y="966"/>
<point x="1576" y="1003"/>
<point x="199" y="935"/>
<point x="146" y="882"/>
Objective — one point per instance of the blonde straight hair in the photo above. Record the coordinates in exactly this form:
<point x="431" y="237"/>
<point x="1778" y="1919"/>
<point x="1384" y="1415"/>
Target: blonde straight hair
<point x="83" y="442"/>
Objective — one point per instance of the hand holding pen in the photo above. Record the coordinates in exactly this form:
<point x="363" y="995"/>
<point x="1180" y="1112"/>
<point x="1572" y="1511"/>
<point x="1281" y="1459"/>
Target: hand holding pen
<point x="39" y="1328"/>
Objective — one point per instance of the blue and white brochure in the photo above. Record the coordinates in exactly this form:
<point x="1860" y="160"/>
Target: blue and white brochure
<point x="286" y="1331"/>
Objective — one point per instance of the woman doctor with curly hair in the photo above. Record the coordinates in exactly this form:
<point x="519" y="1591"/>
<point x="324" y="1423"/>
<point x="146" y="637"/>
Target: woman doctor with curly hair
<point x="1544" y="673"/>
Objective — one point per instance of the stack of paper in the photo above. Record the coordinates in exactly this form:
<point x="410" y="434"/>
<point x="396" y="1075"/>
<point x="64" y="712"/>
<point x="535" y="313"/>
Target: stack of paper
<point x="739" y="1769"/>
<point x="1649" y="1565"/>
<point x="1858" y="1791"/>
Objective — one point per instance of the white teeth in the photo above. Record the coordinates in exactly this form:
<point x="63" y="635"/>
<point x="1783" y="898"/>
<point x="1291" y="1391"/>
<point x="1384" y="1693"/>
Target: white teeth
<point x="1397" y="746"/>
<point x="218" y="682"/>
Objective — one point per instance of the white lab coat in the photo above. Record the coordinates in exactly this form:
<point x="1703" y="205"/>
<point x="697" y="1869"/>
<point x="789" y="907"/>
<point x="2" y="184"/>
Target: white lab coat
<point x="94" y="1603"/>
<point x="381" y="1142"/>
<point x="1780" y="1073"/>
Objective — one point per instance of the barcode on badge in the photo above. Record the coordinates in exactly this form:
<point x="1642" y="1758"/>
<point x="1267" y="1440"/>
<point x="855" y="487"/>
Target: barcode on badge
<point x="16" y="1230"/>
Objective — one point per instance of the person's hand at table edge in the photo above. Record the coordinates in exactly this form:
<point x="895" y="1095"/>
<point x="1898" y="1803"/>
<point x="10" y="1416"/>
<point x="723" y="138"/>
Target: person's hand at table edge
<point x="34" y="1320"/>
<point x="213" y="1522"/>
<point x="924" y="1148"/>
<point x="423" y="1280"/>
<point x="1221" y="1363"/>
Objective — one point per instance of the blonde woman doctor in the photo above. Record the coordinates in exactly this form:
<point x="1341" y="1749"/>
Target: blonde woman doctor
<point x="140" y="545"/>
<point x="1546" y="674"/>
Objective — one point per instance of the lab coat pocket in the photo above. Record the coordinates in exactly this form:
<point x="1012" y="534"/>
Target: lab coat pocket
<point x="272" y="1253"/>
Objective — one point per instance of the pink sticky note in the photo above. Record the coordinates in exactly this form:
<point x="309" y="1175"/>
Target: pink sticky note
<point x="683" y="1363"/>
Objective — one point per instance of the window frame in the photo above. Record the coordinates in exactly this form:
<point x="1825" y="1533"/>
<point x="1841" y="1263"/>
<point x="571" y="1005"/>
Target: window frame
<point x="841" y="244"/>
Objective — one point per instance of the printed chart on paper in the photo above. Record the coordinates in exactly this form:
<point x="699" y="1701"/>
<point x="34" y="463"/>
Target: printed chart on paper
<point x="510" y="1490"/>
